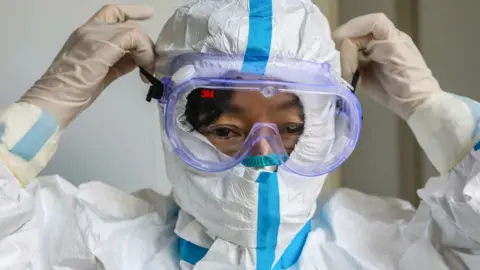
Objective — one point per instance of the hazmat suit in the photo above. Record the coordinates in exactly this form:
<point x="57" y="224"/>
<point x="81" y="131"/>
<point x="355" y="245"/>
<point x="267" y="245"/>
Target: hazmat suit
<point x="248" y="218"/>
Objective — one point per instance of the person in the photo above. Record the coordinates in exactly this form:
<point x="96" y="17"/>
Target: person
<point x="254" y="116"/>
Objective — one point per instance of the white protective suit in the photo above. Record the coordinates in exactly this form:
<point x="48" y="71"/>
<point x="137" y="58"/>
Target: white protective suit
<point x="251" y="219"/>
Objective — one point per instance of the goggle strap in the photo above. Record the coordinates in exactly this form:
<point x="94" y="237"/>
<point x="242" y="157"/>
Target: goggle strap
<point x="156" y="89"/>
<point x="356" y="77"/>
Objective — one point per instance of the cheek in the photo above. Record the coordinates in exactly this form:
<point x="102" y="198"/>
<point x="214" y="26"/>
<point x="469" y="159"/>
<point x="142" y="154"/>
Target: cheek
<point x="228" y="148"/>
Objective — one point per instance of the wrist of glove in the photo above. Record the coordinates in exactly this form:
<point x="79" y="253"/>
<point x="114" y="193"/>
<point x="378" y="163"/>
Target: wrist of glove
<point x="446" y="127"/>
<point x="28" y="139"/>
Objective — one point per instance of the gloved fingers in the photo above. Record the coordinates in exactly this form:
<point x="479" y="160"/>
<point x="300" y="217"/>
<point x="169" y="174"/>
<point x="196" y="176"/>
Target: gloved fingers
<point x="121" y="13"/>
<point x="351" y="53"/>
<point x="353" y="58"/>
<point x="378" y="25"/>
<point x="348" y="59"/>
<point x="143" y="51"/>
<point x="134" y="42"/>
<point x="125" y="65"/>
<point x="369" y="81"/>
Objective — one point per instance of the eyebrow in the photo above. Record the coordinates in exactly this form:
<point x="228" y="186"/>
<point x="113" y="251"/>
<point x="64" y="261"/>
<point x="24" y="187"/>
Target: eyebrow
<point x="288" y="104"/>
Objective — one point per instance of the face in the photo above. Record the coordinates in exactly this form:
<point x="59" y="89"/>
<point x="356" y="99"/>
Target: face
<point x="233" y="125"/>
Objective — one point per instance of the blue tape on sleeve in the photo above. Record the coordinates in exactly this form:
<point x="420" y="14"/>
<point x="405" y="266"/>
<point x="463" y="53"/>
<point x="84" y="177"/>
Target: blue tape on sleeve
<point x="474" y="107"/>
<point x="476" y="147"/>
<point x="190" y="252"/>
<point x="33" y="141"/>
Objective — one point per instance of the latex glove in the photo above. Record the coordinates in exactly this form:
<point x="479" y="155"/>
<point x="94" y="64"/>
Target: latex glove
<point x="392" y="70"/>
<point x="108" y="46"/>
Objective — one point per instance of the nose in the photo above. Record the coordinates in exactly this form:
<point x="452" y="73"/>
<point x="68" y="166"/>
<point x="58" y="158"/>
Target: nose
<point x="261" y="148"/>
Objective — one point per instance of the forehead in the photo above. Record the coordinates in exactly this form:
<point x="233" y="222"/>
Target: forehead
<point x="253" y="99"/>
<point x="254" y="105"/>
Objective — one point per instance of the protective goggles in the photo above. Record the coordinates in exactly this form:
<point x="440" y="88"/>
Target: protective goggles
<point x="301" y="116"/>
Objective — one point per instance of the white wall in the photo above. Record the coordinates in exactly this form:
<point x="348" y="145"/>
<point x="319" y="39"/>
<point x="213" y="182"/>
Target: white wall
<point x="116" y="140"/>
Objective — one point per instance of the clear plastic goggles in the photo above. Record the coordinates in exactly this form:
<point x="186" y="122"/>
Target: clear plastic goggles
<point x="215" y="123"/>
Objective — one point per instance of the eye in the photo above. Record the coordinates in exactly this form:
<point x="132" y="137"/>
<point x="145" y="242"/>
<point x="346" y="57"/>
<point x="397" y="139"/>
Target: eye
<point x="223" y="132"/>
<point x="293" y="128"/>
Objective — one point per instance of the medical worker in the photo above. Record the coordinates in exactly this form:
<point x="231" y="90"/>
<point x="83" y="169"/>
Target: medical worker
<point x="254" y="115"/>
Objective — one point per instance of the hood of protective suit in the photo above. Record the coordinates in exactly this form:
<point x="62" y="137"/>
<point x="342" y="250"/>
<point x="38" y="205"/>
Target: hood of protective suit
<point x="248" y="218"/>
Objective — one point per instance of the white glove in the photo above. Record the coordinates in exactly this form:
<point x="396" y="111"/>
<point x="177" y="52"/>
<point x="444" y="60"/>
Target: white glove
<point x="108" y="46"/>
<point x="394" y="73"/>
